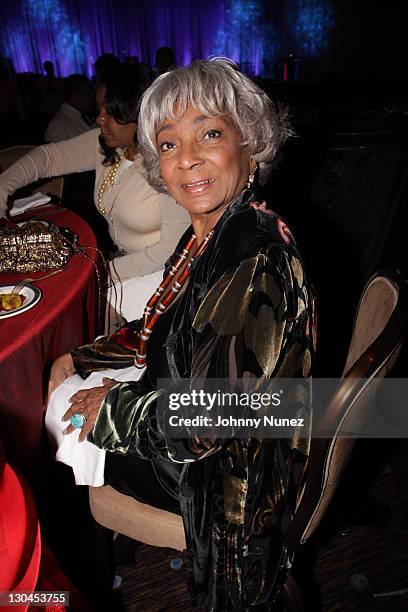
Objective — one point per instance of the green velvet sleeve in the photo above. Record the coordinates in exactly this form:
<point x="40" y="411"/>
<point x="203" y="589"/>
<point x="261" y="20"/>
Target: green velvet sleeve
<point x="115" y="351"/>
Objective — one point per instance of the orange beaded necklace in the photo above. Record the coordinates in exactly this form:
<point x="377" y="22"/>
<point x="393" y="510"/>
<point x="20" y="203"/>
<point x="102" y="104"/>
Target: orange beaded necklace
<point x="155" y="306"/>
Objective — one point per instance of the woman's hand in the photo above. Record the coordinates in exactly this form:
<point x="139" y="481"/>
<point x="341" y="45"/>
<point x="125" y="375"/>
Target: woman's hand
<point x="87" y="402"/>
<point x="62" y="368"/>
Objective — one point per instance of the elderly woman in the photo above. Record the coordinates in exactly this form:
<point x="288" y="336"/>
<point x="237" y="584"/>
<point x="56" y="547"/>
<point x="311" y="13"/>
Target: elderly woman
<point x="233" y="304"/>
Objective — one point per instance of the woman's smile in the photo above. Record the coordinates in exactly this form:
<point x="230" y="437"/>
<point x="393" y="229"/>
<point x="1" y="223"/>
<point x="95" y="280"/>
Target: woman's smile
<point x="198" y="186"/>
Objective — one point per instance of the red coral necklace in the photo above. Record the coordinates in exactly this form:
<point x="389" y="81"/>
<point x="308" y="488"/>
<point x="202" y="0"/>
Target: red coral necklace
<point x="156" y="306"/>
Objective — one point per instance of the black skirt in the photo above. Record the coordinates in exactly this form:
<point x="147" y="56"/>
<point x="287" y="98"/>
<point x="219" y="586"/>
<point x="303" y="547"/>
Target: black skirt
<point x="144" y="480"/>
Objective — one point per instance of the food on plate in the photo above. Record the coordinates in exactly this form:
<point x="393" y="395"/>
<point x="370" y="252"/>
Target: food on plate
<point x="11" y="301"/>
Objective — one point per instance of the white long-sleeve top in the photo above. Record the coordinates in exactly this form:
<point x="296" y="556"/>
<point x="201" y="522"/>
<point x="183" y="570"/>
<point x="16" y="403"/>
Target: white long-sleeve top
<point x="143" y="223"/>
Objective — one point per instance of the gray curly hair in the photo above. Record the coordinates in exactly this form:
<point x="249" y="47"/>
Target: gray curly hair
<point x="217" y="89"/>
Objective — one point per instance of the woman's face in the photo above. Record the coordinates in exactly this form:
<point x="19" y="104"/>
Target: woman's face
<point x="115" y="134"/>
<point x="202" y="161"/>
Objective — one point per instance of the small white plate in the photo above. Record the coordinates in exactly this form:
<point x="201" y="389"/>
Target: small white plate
<point x="23" y="223"/>
<point x="32" y="296"/>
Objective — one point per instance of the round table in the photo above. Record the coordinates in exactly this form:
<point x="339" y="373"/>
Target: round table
<point x="65" y="317"/>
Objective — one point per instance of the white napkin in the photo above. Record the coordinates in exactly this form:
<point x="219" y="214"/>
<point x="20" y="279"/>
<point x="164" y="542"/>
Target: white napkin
<point x="86" y="459"/>
<point x="25" y="203"/>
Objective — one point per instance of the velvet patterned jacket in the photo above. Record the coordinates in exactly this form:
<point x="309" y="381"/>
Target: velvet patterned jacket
<point x="246" y="313"/>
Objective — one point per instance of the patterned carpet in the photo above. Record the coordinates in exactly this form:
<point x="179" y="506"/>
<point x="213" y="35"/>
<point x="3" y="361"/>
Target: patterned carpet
<point x="358" y="572"/>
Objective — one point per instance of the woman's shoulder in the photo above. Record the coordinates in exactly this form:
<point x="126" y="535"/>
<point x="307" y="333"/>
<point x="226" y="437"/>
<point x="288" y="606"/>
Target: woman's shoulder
<point x="252" y="233"/>
<point x="255" y="226"/>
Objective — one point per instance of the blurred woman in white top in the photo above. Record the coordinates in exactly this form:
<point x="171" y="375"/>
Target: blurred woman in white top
<point x="144" y="225"/>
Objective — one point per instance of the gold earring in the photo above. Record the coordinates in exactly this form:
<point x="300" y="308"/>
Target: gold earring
<point x="251" y="178"/>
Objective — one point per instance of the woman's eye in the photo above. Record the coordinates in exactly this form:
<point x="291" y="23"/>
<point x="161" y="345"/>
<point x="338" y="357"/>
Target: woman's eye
<point x="166" y="146"/>
<point x="213" y="134"/>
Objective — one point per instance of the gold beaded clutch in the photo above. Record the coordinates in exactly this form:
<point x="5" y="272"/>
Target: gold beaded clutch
<point x="35" y="246"/>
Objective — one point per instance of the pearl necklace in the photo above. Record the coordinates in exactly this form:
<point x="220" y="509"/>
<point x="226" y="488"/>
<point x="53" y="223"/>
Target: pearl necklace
<point x="155" y="306"/>
<point x="109" y="178"/>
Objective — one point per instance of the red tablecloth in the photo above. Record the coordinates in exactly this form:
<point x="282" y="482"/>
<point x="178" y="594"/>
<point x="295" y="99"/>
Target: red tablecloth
<point x="26" y="563"/>
<point x="64" y="318"/>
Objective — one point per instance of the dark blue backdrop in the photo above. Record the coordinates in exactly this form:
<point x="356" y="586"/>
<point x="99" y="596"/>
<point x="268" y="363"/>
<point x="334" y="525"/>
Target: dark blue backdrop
<point x="73" y="33"/>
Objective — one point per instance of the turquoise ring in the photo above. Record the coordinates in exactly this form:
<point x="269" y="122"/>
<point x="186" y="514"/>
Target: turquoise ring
<point x="78" y="420"/>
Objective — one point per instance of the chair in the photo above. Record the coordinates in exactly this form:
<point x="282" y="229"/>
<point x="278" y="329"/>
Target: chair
<point x="380" y="328"/>
<point x="379" y="331"/>
<point x="53" y="186"/>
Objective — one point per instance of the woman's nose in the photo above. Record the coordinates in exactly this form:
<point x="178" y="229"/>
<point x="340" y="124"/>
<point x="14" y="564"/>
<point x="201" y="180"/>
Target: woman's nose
<point x="189" y="155"/>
